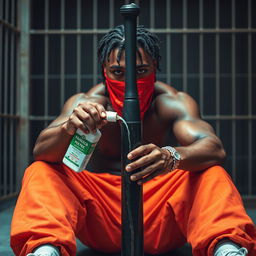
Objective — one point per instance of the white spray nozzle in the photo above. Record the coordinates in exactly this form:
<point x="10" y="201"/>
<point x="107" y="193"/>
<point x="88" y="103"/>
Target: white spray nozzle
<point x="111" y="116"/>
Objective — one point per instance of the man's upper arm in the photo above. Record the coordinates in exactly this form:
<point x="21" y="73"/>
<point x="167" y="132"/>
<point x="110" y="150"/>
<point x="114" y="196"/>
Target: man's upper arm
<point x="96" y="94"/>
<point x="188" y="127"/>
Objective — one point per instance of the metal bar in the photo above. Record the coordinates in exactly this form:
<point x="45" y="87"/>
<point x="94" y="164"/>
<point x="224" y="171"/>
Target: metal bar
<point x="3" y="115"/>
<point x="95" y="65"/>
<point x="9" y="26"/>
<point x="249" y="99"/>
<point x="207" y="75"/>
<point x="8" y="197"/>
<point x="6" y="64"/>
<point x="12" y="97"/>
<point x="5" y="110"/>
<point x="62" y="55"/>
<point x="111" y="13"/>
<point x="17" y="166"/>
<point x="204" y="30"/>
<point x="176" y="75"/>
<point x="184" y="45"/>
<point x="7" y="12"/>
<point x="201" y="59"/>
<point x="55" y="76"/>
<point x="217" y="66"/>
<point x="13" y="13"/>
<point x="11" y="159"/>
<point x="1" y="157"/>
<point x="232" y="117"/>
<point x="1" y="57"/>
<point x="152" y="14"/>
<point x="46" y="61"/>
<point x="1" y="10"/>
<point x="78" y="48"/>
<point x="5" y="164"/>
<point x="233" y="68"/>
<point x="168" y="42"/>
<point x="155" y="30"/>
<point x="23" y="108"/>
<point x="250" y="197"/>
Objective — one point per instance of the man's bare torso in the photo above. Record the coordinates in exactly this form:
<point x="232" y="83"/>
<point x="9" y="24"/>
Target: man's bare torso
<point x="155" y="129"/>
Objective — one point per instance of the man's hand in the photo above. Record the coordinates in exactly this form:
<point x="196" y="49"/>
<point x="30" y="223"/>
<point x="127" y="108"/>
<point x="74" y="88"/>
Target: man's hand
<point x="152" y="160"/>
<point x="87" y="116"/>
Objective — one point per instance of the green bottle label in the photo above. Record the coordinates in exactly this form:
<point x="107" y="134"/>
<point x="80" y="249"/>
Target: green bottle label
<point x="80" y="142"/>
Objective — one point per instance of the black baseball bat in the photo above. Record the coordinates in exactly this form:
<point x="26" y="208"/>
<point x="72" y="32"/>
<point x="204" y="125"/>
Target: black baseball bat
<point x="132" y="198"/>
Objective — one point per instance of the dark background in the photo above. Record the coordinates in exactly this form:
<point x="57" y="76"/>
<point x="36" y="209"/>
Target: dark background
<point x="208" y="49"/>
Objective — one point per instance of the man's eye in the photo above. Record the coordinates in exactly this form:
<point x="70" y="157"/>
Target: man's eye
<point x="141" y="71"/>
<point x="118" y="72"/>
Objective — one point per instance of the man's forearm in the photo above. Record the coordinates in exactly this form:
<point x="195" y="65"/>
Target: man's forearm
<point x="201" y="154"/>
<point x="52" y="144"/>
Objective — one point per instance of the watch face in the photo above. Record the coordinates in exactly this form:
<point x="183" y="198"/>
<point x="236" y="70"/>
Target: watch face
<point x="177" y="155"/>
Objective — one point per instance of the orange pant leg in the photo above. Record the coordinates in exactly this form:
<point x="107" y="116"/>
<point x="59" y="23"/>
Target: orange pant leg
<point x="206" y="207"/>
<point x="161" y="230"/>
<point x="56" y="204"/>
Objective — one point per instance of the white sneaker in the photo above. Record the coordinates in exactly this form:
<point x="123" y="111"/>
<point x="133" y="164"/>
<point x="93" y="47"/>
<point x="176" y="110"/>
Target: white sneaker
<point x="229" y="252"/>
<point x="45" y="250"/>
<point x="228" y="248"/>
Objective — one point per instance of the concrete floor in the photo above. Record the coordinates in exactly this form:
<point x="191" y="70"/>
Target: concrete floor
<point x="6" y="210"/>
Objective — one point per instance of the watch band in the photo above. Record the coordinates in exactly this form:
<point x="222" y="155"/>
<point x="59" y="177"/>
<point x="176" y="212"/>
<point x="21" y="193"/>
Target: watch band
<point x="175" y="157"/>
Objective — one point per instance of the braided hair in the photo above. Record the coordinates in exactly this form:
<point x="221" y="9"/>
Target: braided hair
<point x="116" y="39"/>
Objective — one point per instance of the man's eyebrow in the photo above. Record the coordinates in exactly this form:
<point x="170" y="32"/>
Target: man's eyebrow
<point x="116" y="66"/>
<point x="138" y="66"/>
<point x="143" y="66"/>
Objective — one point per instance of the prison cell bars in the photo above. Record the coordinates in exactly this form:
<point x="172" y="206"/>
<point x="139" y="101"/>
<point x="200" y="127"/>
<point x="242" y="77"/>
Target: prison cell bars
<point x="23" y="92"/>
<point x="233" y="71"/>
<point x="217" y="31"/>
<point x="168" y="31"/>
<point x="9" y="118"/>
<point x="249" y="98"/>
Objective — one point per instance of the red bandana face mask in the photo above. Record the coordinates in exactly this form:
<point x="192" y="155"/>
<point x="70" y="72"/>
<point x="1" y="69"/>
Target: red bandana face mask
<point x="145" y="88"/>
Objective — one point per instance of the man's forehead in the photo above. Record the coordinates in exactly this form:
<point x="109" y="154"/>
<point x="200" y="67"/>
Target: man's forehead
<point x="143" y="59"/>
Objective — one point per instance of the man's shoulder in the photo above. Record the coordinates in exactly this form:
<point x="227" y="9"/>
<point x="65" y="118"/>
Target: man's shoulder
<point x="96" y="91"/>
<point x="172" y="103"/>
<point x="95" y="94"/>
<point x="167" y="92"/>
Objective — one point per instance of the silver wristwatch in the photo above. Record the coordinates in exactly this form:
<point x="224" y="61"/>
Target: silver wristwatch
<point x="175" y="157"/>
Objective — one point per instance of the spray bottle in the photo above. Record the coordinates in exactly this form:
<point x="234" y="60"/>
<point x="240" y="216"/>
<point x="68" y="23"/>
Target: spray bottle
<point x="82" y="145"/>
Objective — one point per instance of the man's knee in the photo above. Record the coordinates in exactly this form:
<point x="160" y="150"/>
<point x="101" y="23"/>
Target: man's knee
<point x="41" y="168"/>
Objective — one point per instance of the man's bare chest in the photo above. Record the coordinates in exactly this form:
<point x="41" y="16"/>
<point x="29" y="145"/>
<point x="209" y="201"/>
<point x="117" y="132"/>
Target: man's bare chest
<point x="110" y="142"/>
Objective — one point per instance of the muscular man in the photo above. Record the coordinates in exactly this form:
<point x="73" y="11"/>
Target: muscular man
<point x="188" y="197"/>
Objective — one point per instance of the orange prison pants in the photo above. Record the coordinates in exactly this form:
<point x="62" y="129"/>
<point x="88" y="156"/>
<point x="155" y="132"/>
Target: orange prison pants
<point x="56" y="205"/>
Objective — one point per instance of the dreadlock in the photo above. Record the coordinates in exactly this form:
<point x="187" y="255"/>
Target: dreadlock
<point x="115" y="39"/>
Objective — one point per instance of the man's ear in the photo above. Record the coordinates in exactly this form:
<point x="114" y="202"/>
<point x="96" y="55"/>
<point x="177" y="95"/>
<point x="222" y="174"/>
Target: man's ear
<point x="104" y="68"/>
